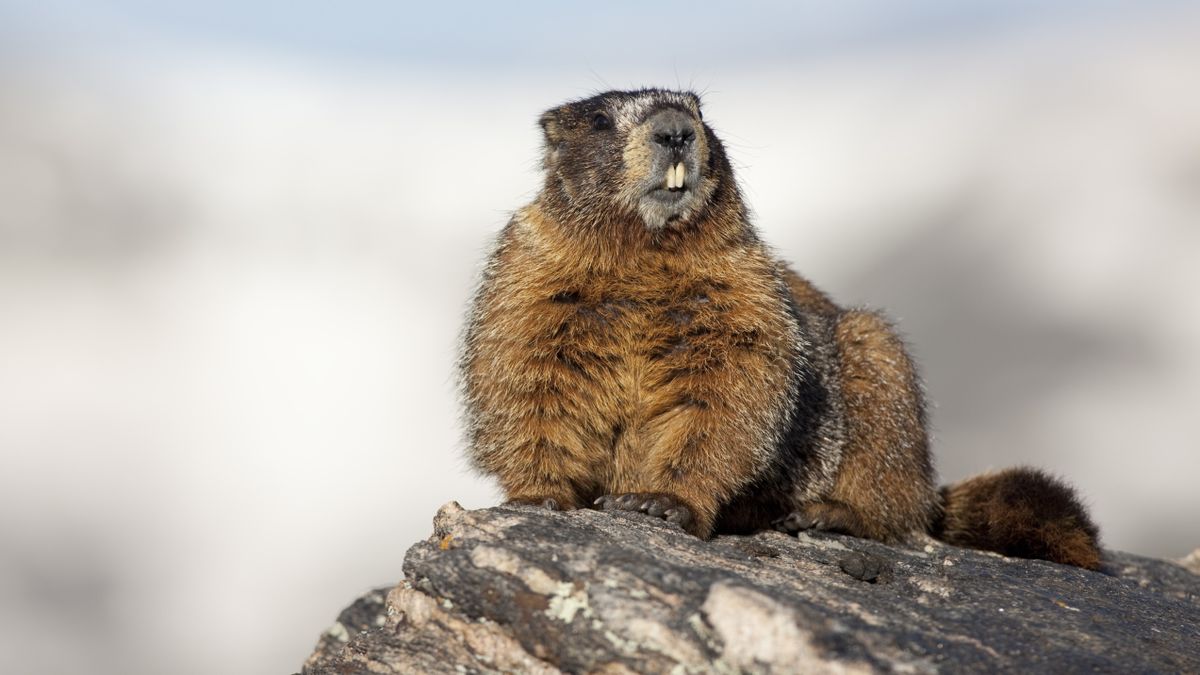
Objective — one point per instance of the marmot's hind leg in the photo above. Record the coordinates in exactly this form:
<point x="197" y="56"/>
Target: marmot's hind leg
<point x="827" y="516"/>
<point x="884" y="487"/>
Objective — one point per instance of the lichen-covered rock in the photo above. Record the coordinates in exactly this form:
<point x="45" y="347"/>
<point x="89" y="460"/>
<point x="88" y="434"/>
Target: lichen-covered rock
<point x="525" y="590"/>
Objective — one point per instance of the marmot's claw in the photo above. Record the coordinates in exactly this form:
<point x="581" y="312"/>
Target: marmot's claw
<point x="656" y="504"/>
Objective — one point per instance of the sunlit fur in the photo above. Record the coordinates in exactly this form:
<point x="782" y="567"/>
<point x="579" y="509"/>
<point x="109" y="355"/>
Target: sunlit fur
<point x="621" y="342"/>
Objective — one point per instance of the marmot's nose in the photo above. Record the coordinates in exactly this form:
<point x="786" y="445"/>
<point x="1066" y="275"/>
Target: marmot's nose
<point x="672" y="129"/>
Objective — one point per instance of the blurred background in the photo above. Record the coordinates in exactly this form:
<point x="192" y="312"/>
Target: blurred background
<point x="237" y="241"/>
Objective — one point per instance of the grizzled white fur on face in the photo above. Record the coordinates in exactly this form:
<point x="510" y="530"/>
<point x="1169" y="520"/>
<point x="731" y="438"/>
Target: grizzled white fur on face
<point x="631" y="110"/>
<point x="644" y="153"/>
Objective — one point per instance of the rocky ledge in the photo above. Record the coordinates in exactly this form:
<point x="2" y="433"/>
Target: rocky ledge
<point x="525" y="590"/>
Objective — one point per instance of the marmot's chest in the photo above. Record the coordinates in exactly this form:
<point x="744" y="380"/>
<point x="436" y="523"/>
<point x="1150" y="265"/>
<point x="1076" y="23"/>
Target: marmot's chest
<point x="633" y="344"/>
<point x="632" y="324"/>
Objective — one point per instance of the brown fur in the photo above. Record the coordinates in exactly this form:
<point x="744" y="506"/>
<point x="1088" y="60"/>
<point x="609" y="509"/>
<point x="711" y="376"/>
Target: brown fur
<point x="613" y="378"/>
<point x="639" y="347"/>
<point x="807" y="296"/>
<point x="885" y="477"/>
<point x="1020" y="512"/>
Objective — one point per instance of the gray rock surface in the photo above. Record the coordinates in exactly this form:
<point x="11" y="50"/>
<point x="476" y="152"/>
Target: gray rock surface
<point x="524" y="590"/>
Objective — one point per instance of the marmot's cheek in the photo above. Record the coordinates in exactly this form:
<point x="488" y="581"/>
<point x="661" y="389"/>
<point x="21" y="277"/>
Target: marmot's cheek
<point x="637" y="158"/>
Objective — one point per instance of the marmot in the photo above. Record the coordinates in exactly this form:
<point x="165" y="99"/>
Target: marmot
<point x="634" y="345"/>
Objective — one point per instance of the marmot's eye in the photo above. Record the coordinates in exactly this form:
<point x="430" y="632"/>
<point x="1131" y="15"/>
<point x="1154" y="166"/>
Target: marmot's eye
<point x="600" y="122"/>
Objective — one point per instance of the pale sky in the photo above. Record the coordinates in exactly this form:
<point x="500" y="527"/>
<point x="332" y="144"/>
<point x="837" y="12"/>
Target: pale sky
<point x="528" y="34"/>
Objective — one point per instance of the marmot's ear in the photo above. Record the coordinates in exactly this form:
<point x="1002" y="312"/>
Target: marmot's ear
<point x="551" y="124"/>
<point x="552" y="129"/>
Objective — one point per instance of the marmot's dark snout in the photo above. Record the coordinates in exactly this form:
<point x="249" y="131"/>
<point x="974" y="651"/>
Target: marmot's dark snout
<point x="672" y="129"/>
<point x="673" y="135"/>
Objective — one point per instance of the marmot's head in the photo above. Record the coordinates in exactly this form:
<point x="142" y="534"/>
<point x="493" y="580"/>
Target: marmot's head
<point x="644" y="153"/>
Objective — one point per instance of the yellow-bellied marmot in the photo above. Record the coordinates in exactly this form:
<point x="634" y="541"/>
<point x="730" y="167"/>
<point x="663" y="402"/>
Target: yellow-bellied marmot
<point x="634" y="345"/>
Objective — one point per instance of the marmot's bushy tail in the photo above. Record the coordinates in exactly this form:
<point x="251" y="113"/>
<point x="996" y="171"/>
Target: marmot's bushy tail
<point x="1019" y="512"/>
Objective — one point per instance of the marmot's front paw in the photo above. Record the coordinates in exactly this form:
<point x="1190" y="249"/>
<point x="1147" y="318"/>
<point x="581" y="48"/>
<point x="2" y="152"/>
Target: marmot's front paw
<point x="660" y="505"/>
<point x="549" y="503"/>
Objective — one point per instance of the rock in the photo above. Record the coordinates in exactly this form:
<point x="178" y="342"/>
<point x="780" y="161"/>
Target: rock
<point x="1192" y="561"/>
<point x="526" y="590"/>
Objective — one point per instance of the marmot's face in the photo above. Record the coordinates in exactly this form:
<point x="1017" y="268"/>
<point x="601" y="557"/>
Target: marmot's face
<point x="647" y="153"/>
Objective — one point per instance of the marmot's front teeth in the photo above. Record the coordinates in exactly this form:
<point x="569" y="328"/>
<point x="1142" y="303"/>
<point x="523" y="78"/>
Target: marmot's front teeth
<point x="675" y="176"/>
